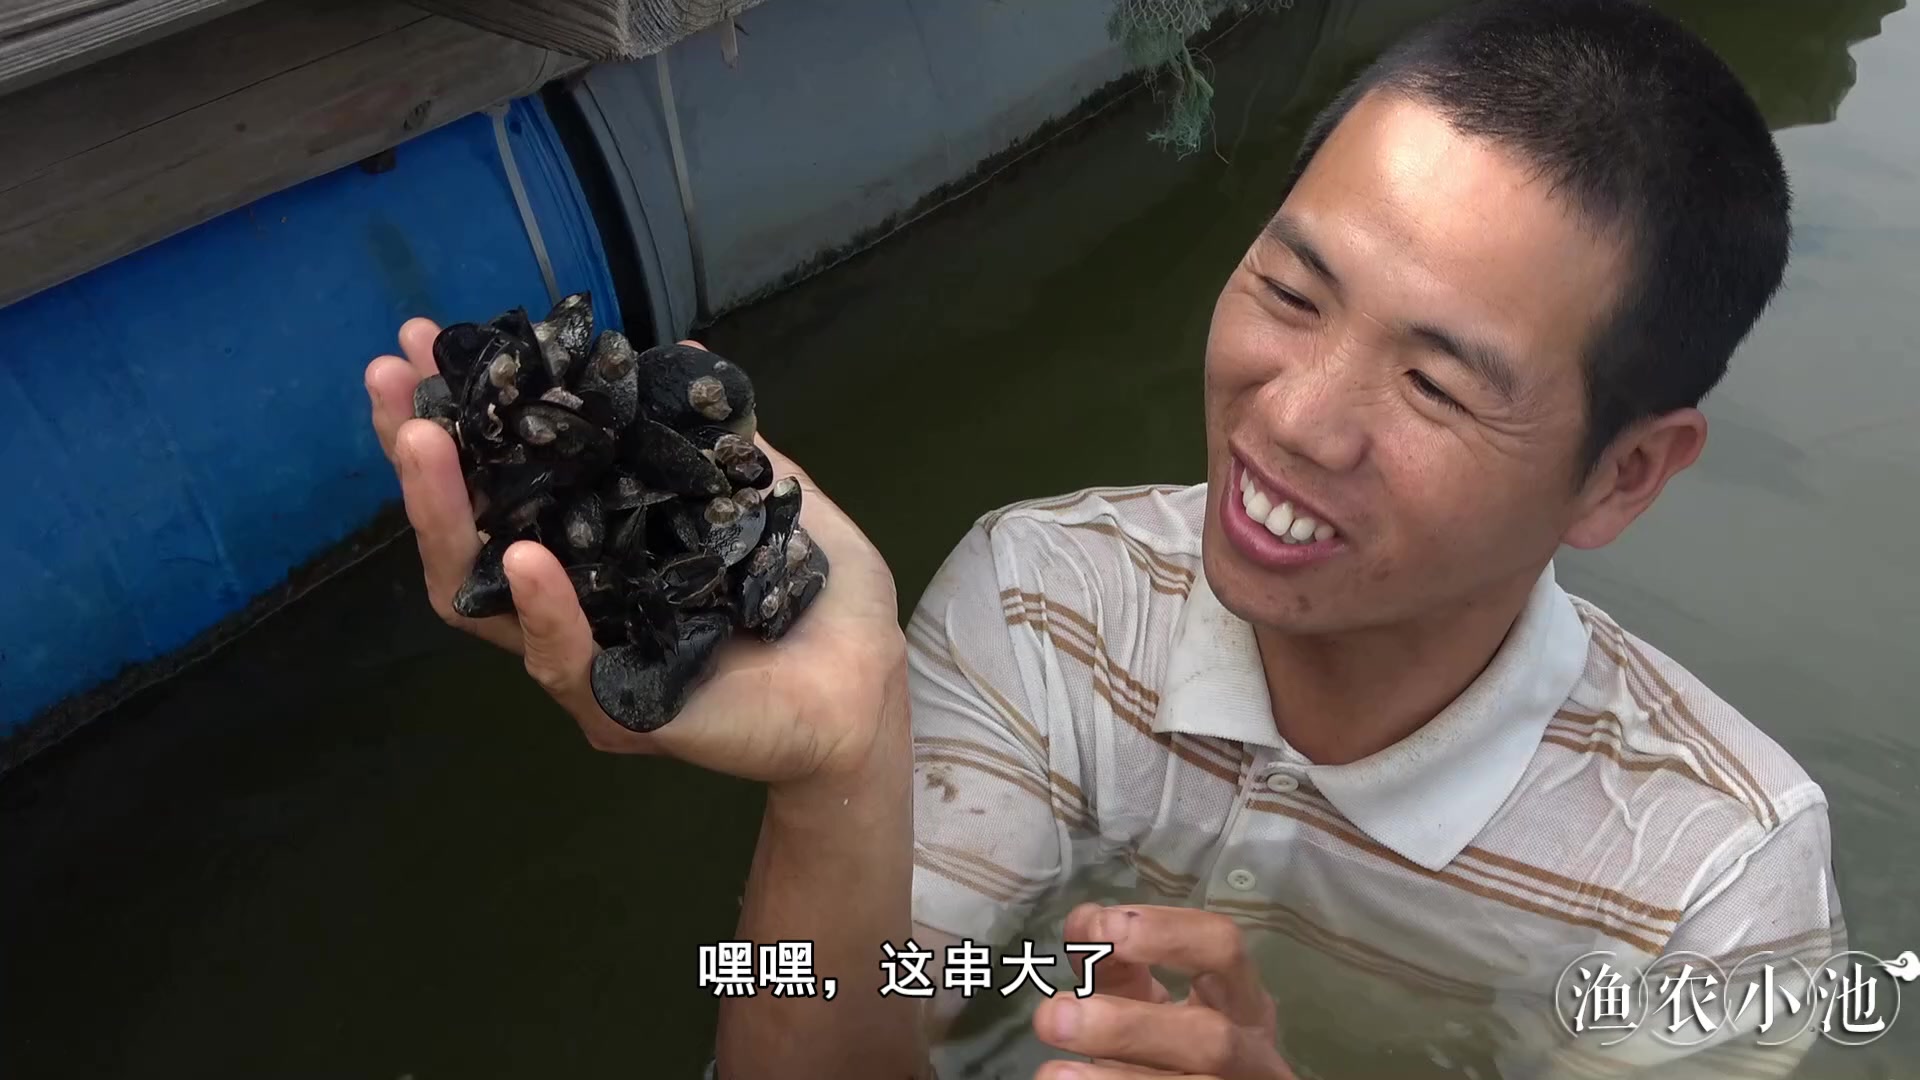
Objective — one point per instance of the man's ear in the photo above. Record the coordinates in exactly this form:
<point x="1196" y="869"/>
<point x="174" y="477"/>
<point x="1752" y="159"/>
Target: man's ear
<point x="1632" y="472"/>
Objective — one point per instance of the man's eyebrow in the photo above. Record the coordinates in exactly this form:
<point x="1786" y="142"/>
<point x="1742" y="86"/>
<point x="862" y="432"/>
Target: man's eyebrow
<point x="1478" y="357"/>
<point x="1286" y="232"/>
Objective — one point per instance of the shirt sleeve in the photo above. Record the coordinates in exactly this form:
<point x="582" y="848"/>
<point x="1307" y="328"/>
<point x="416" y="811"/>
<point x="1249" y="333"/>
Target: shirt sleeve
<point x="1777" y="909"/>
<point x="989" y="839"/>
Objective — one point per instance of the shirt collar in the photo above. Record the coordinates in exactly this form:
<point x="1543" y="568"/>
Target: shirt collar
<point x="1427" y="796"/>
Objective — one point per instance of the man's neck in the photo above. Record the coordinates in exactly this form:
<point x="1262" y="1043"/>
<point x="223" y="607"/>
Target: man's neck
<point x="1338" y="699"/>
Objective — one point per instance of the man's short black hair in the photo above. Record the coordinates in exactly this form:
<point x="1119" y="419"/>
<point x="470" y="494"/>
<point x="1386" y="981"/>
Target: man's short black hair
<point x="1645" y="129"/>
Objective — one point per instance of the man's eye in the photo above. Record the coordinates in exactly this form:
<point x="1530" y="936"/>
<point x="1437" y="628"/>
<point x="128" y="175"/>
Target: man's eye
<point x="1290" y="298"/>
<point x="1432" y="390"/>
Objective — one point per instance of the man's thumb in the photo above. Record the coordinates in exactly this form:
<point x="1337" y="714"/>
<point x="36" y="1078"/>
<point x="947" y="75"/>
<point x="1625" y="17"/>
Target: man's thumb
<point x="558" y="643"/>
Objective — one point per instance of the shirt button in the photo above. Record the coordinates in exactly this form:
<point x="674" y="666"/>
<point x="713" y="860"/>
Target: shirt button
<point x="1241" y="879"/>
<point x="1282" y="782"/>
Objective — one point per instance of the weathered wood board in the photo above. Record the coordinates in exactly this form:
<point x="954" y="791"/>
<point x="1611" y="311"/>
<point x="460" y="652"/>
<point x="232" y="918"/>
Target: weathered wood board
<point x="594" y="29"/>
<point x="123" y="153"/>
<point x="40" y="39"/>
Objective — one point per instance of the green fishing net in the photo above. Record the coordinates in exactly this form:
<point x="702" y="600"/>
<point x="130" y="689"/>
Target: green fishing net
<point x="1155" y="36"/>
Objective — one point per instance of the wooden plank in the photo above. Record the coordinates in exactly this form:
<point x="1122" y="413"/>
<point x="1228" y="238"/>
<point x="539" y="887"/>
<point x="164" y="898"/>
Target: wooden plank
<point x="164" y="138"/>
<point x="56" y="121"/>
<point x="41" y="39"/>
<point x="594" y="29"/>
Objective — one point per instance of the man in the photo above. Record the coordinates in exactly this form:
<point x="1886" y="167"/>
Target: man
<point x="1330" y="707"/>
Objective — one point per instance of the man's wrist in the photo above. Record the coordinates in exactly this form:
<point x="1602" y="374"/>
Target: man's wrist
<point x="860" y="778"/>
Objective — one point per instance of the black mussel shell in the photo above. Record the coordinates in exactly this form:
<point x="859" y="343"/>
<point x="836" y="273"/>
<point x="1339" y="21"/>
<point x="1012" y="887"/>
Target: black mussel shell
<point x="479" y="480"/>
<point x="572" y="323"/>
<point x="783" y="506"/>
<point x="804" y="583"/>
<point x="433" y="399"/>
<point x="559" y="363"/>
<point x="642" y="693"/>
<point x="626" y="546"/>
<point x="652" y="621"/>
<point x="565" y="398"/>
<point x="510" y="489"/>
<point x="529" y="515"/>
<point x="623" y="491"/>
<point x="687" y="388"/>
<point x="640" y="473"/>
<point x="485" y="592"/>
<point x="562" y="338"/>
<point x="458" y="348"/>
<point x="583" y="528"/>
<point x="555" y="433"/>
<point x="601" y="598"/>
<point x="673" y="528"/>
<point x="743" y="463"/>
<point x="513" y="369"/>
<point x="693" y="580"/>
<point x="729" y="528"/>
<point x="483" y="431"/>
<point x="610" y="382"/>
<point x="516" y="330"/>
<point x="663" y="458"/>
<point x="756" y="586"/>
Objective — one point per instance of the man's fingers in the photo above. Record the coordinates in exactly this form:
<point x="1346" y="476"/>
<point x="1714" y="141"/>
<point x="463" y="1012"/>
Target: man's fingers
<point x="435" y="495"/>
<point x="557" y="641"/>
<point x="1062" y="1070"/>
<point x="1085" y="925"/>
<point x="1204" y="944"/>
<point x="416" y="341"/>
<point x="390" y="382"/>
<point x="1080" y="926"/>
<point x="558" y="645"/>
<point x="1178" y="1038"/>
<point x="436" y="500"/>
<point x="391" y="379"/>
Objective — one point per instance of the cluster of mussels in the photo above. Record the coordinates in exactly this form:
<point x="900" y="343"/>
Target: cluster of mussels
<point x="640" y="473"/>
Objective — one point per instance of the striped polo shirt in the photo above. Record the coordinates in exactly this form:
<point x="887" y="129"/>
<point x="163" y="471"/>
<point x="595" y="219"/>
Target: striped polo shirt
<point x="1092" y="724"/>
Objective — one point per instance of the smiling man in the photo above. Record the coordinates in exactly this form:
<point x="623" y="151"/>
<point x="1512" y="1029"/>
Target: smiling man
<point x="1384" y="797"/>
<point x="1334" y="697"/>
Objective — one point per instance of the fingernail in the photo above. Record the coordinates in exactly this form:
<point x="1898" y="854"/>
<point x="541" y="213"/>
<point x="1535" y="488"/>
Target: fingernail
<point x="1065" y="1072"/>
<point x="1114" y="926"/>
<point x="1066" y="1020"/>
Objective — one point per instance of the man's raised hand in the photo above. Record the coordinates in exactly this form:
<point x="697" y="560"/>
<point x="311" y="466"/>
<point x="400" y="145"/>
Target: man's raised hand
<point x="809" y="704"/>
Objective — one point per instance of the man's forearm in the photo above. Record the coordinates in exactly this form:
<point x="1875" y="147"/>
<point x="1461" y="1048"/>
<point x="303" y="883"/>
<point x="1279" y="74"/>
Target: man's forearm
<point x="834" y="866"/>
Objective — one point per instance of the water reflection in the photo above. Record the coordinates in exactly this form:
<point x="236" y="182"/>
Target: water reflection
<point x="358" y="845"/>
<point x="1796" y="57"/>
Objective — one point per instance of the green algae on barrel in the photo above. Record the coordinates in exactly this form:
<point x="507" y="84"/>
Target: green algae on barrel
<point x="639" y="472"/>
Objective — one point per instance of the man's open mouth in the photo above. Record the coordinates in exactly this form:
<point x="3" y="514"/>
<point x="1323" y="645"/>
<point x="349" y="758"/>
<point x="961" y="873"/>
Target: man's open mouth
<point x="1278" y="513"/>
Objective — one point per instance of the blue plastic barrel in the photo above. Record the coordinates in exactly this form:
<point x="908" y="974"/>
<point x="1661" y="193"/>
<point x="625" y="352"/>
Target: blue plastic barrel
<point x="183" y="427"/>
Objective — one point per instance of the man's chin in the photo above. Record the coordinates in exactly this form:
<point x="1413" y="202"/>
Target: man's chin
<point x="1256" y="596"/>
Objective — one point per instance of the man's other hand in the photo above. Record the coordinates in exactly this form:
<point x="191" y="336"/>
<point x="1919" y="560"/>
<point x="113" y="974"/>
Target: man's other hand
<point x="806" y="706"/>
<point x="1130" y="1025"/>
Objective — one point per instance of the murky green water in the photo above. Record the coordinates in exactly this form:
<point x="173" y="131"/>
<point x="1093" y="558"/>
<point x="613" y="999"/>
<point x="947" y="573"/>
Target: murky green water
<point x="357" y="845"/>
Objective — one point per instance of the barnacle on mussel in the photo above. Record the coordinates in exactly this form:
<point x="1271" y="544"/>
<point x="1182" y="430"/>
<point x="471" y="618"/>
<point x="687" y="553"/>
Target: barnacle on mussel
<point x="639" y="471"/>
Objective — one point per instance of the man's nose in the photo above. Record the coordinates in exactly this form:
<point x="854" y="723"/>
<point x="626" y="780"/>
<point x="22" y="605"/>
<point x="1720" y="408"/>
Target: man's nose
<point x="1317" y="408"/>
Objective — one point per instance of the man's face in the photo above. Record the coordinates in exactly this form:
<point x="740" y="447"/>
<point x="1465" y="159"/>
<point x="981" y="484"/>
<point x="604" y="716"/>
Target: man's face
<point x="1400" y="353"/>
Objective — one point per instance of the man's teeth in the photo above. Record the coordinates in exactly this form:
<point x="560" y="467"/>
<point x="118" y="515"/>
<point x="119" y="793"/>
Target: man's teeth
<point x="1281" y="520"/>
